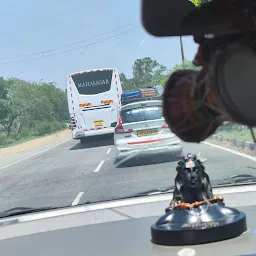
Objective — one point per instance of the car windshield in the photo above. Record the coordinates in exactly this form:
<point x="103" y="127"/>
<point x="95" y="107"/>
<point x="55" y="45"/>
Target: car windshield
<point x="140" y="114"/>
<point x="81" y="110"/>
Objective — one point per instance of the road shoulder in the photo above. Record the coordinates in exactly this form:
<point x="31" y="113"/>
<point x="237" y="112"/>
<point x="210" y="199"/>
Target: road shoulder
<point x="229" y="145"/>
<point x="26" y="149"/>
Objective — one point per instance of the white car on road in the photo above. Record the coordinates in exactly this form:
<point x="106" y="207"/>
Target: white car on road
<point x="142" y="130"/>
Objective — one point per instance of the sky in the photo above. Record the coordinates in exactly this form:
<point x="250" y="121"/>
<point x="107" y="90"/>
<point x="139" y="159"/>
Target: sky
<point x="46" y="40"/>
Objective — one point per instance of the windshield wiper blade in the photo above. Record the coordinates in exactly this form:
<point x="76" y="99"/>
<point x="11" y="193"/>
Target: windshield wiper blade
<point x="22" y="210"/>
<point x="239" y="179"/>
<point x="155" y="192"/>
<point x="244" y="178"/>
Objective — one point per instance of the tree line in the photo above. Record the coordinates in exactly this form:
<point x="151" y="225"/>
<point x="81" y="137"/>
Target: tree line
<point x="29" y="109"/>
<point x="148" y="72"/>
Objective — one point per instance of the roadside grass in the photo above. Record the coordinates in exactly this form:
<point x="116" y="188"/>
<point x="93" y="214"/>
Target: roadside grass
<point x="241" y="133"/>
<point x="10" y="141"/>
<point x="41" y="130"/>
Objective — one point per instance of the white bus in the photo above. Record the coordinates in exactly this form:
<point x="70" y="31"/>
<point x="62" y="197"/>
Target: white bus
<point x="94" y="100"/>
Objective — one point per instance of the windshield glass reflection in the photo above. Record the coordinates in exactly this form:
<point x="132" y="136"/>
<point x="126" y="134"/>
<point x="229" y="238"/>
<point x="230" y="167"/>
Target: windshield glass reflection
<point x="81" y="111"/>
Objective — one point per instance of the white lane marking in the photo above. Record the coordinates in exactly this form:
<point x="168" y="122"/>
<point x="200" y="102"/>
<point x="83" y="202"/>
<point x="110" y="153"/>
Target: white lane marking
<point x="77" y="199"/>
<point x="99" y="166"/>
<point x="37" y="153"/>
<point x="108" y="151"/>
<point x="231" y="151"/>
<point x="186" y="252"/>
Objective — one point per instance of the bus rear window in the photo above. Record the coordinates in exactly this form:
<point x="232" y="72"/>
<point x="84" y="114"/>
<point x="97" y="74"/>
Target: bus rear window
<point x="142" y="114"/>
<point x="90" y="83"/>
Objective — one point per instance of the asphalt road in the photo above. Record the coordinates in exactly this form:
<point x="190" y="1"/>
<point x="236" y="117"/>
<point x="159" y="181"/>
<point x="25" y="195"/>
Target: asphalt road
<point x="72" y="173"/>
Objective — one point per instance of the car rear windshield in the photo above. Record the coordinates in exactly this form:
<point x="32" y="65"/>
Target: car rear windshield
<point x="140" y="114"/>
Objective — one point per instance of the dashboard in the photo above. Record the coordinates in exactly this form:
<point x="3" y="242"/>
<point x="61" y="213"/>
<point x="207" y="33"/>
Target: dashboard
<point x="119" y="227"/>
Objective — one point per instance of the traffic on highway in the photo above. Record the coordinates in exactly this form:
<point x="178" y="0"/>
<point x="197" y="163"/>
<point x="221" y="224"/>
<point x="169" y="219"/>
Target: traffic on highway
<point x="140" y="158"/>
<point x="126" y="125"/>
<point x="142" y="129"/>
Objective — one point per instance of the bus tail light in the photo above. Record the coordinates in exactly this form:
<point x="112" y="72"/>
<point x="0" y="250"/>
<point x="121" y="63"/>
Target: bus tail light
<point x="119" y="128"/>
<point x="85" y="105"/>
<point x="107" y="102"/>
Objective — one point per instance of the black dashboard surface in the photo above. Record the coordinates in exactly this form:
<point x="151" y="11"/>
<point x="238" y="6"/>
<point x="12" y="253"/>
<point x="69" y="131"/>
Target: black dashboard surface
<point x="124" y="237"/>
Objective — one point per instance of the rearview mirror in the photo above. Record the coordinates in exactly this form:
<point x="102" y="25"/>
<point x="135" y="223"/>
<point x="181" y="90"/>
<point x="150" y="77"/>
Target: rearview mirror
<point x="182" y="17"/>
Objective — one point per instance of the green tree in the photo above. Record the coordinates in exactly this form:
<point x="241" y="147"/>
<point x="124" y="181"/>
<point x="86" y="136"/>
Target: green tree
<point x="187" y="65"/>
<point x="126" y="83"/>
<point x="24" y="105"/>
<point x="57" y="99"/>
<point x="4" y="90"/>
<point x="146" y="72"/>
<point x="22" y="101"/>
